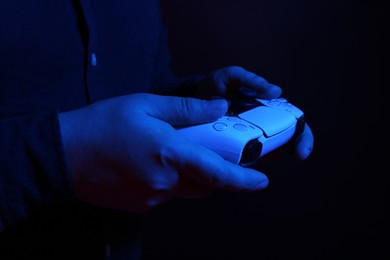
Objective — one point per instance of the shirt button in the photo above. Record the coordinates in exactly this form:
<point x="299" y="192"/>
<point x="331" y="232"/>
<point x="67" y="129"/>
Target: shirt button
<point x="93" y="59"/>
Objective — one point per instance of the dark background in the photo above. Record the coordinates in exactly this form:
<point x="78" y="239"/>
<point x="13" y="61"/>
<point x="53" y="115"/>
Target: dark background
<point x="328" y="58"/>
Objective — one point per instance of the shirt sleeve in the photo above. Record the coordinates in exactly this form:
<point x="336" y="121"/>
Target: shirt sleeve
<point x="33" y="171"/>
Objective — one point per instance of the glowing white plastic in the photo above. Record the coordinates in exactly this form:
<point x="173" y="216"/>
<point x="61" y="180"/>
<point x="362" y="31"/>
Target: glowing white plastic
<point x="272" y="125"/>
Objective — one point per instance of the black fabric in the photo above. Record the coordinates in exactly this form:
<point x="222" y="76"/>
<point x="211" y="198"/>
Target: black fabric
<point x="57" y="56"/>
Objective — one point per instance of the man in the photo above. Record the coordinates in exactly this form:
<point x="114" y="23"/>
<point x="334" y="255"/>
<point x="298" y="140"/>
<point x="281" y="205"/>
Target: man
<point x="88" y="110"/>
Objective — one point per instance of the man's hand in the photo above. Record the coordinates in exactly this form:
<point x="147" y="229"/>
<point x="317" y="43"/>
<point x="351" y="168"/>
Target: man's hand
<point x="227" y="82"/>
<point x="124" y="153"/>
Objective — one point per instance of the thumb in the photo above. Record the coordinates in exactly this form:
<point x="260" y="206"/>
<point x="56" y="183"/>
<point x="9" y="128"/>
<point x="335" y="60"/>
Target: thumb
<point x="186" y="111"/>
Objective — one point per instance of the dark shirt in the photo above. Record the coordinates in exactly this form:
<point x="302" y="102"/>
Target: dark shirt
<point x="57" y="56"/>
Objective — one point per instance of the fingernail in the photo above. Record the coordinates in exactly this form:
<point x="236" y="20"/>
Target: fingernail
<point x="273" y="85"/>
<point x="276" y="90"/>
<point x="305" y="153"/>
<point x="217" y="104"/>
<point x="262" y="184"/>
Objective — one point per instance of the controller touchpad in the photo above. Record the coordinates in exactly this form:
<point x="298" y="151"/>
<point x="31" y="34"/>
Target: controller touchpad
<point x="271" y="121"/>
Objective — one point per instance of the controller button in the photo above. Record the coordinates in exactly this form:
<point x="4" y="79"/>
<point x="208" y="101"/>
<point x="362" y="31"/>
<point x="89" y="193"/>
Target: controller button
<point x="220" y="126"/>
<point x="240" y="127"/>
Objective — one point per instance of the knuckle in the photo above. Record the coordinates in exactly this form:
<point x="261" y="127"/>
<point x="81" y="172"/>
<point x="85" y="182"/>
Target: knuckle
<point x="160" y="193"/>
<point x="147" y="205"/>
<point x="218" y="179"/>
<point x="186" y="106"/>
<point x="161" y="186"/>
<point x="167" y="156"/>
<point x="233" y="69"/>
<point x="152" y="203"/>
<point x="164" y="178"/>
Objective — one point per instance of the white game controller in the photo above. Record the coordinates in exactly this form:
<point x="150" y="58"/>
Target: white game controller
<point x="252" y="128"/>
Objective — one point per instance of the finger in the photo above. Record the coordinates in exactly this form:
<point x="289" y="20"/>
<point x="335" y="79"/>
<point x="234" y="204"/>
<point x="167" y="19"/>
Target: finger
<point x="187" y="111"/>
<point x="210" y="169"/>
<point x="243" y="78"/>
<point x="304" y="144"/>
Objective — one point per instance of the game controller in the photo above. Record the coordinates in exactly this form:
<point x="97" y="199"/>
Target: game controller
<point x="251" y="129"/>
